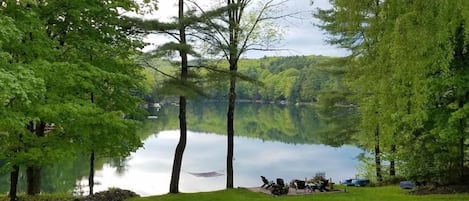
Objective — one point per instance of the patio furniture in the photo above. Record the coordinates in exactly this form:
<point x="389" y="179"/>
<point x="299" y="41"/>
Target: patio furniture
<point x="267" y="184"/>
<point x="280" y="188"/>
<point x="300" y="184"/>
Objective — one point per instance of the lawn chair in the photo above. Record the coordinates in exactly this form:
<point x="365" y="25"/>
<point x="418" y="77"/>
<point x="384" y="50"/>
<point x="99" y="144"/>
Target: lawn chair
<point x="323" y="184"/>
<point x="300" y="184"/>
<point x="280" y="188"/>
<point x="267" y="184"/>
<point x="280" y="182"/>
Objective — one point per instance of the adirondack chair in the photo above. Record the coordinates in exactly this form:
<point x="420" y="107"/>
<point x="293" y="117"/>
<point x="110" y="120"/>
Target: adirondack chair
<point x="300" y="185"/>
<point x="280" y="188"/>
<point x="267" y="184"/>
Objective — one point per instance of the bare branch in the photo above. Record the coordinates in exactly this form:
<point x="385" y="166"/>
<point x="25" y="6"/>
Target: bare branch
<point x="158" y="70"/>
<point x="253" y="27"/>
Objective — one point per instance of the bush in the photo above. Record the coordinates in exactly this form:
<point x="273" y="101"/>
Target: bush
<point x="114" y="194"/>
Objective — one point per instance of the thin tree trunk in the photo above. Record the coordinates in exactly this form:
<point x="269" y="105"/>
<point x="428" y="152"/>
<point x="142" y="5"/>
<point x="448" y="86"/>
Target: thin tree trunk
<point x="461" y="159"/>
<point x="461" y="147"/>
<point x="14" y="183"/>
<point x="230" y="133"/>
<point x="92" y="154"/>
<point x="461" y="152"/>
<point x="177" y="163"/>
<point x="392" y="168"/>
<point x="377" y="156"/>
<point x="91" y="174"/>
<point x="233" y="60"/>
<point x="178" y="155"/>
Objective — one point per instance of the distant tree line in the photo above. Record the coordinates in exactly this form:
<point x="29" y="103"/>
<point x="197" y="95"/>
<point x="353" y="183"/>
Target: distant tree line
<point x="295" y="79"/>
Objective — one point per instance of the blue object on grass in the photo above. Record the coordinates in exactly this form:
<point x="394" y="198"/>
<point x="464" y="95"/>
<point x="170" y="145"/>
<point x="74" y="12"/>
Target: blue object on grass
<point x="406" y="185"/>
<point x="355" y="182"/>
<point x="360" y="182"/>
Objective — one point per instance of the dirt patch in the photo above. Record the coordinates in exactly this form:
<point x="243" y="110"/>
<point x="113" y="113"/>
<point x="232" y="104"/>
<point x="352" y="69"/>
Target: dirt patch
<point x="292" y="191"/>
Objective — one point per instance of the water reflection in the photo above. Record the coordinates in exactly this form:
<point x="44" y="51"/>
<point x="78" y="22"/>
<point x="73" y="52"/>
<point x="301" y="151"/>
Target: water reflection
<point x="274" y="141"/>
<point x="149" y="169"/>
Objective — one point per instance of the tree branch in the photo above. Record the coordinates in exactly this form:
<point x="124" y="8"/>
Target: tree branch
<point x="159" y="71"/>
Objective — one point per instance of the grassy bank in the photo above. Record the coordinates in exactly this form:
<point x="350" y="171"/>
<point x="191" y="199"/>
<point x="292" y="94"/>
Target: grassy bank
<point x="47" y="197"/>
<point x="391" y="193"/>
<point x="353" y="194"/>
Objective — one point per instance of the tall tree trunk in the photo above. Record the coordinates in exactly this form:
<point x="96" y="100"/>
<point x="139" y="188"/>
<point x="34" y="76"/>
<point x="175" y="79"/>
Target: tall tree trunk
<point x="14" y="183"/>
<point x="230" y="133"/>
<point x="33" y="173"/>
<point x="181" y="146"/>
<point x="233" y="61"/>
<point x="91" y="173"/>
<point x="92" y="154"/>
<point x="377" y="156"/>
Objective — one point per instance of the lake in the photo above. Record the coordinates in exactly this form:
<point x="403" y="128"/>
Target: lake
<point x="276" y="141"/>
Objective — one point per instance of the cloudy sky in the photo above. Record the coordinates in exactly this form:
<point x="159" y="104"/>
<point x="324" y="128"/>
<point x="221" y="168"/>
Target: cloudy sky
<point x="301" y="37"/>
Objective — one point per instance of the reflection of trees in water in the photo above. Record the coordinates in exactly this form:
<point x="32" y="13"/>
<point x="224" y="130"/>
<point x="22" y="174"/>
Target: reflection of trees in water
<point x="61" y="177"/>
<point x="289" y="124"/>
<point x="120" y="163"/>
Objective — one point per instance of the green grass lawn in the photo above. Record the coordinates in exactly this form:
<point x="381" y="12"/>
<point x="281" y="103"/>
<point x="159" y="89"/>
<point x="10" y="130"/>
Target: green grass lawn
<point x="46" y="197"/>
<point x="391" y="193"/>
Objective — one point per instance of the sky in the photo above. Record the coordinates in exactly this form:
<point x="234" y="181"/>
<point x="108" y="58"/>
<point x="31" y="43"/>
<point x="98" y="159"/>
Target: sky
<point x="301" y="36"/>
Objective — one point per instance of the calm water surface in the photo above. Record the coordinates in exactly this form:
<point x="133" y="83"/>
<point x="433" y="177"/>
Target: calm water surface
<point x="149" y="169"/>
<point x="289" y="142"/>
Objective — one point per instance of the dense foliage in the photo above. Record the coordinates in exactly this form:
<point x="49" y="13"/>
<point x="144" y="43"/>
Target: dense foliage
<point x="67" y="82"/>
<point x="409" y="73"/>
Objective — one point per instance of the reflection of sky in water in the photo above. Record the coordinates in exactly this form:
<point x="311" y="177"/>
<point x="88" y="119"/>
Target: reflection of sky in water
<point x="149" y="169"/>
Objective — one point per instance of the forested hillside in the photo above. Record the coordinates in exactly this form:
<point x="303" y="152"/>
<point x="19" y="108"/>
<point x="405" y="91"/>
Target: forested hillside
<point x="294" y="79"/>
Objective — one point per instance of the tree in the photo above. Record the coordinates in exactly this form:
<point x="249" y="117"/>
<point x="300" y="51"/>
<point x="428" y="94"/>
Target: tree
<point x="397" y="77"/>
<point x="56" y="41"/>
<point x="20" y="58"/>
<point x="237" y="32"/>
<point x="20" y="88"/>
<point x="101" y="47"/>
<point x="348" y="22"/>
<point x="177" y="163"/>
<point x="181" y="86"/>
